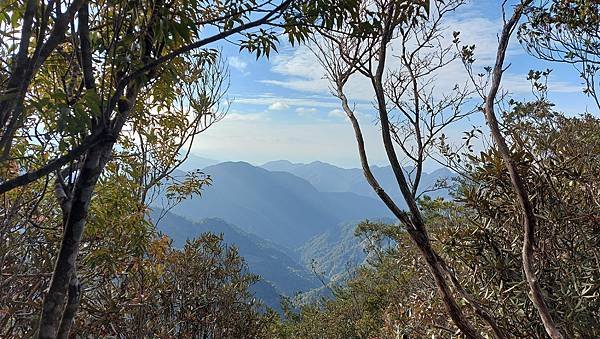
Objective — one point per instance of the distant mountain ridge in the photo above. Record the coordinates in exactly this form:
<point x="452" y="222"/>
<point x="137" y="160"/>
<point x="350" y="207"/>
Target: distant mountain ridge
<point x="330" y="178"/>
<point x="195" y="162"/>
<point x="277" y="206"/>
<point x="287" y="217"/>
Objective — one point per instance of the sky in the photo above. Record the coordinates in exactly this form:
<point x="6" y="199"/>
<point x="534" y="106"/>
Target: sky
<point x="281" y="107"/>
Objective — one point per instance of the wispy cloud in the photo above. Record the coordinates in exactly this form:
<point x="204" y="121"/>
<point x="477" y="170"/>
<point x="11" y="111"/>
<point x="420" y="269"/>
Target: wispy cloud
<point x="278" y="106"/>
<point x="518" y="83"/>
<point x="304" y="111"/>
<point x="302" y="72"/>
<point x="286" y="111"/>
<point x="298" y="101"/>
<point x="246" y="117"/>
<point x="337" y="113"/>
<point x="239" y="64"/>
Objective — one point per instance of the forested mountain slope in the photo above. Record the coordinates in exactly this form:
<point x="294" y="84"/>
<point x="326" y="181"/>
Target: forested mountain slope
<point x="263" y="258"/>
<point x="277" y="206"/>
<point x="329" y="178"/>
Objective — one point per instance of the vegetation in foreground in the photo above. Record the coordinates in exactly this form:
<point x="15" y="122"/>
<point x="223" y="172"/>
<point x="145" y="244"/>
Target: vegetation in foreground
<point x="100" y="100"/>
<point x="479" y="235"/>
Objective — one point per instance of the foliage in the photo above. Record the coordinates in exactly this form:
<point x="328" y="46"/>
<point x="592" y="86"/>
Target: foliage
<point x="201" y="290"/>
<point x="135" y="283"/>
<point x="479" y="236"/>
<point x="566" y="31"/>
<point x="101" y="100"/>
<point x="556" y="156"/>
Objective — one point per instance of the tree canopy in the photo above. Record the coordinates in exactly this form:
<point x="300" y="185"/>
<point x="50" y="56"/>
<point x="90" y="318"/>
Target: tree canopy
<point x="101" y="100"/>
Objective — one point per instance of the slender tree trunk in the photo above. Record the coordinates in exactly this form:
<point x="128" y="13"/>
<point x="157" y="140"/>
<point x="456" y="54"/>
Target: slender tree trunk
<point x="95" y="160"/>
<point x="413" y="223"/>
<point x="64" y="271"/>
<point x="529" y="219"/>
<point x="68" y="317"/>
<point x="416" y="227"/>
<point x="420" y="238"/>
<point x="11" y="109"/>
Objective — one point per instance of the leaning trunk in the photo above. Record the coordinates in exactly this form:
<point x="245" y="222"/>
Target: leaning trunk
<point x="529" y="219"/>
<point x="64" y="270"/>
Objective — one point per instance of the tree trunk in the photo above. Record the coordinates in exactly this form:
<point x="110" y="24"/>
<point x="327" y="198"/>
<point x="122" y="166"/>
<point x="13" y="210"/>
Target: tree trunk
<point x="416" y="227"/>
<point x="413" y="222"/>
<point x="71" y="307"/>
<point x="529" y="220"/>
<point x="64" y="271"/>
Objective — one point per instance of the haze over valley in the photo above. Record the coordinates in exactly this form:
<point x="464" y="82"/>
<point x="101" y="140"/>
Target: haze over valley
<point x="299" y="169"/>
<point x="293" y="223"/>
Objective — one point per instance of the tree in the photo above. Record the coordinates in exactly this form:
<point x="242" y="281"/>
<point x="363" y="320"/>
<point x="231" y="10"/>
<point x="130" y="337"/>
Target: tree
<point x="566" y="32"/>
<point x="542" y="142"/>
<point x="422" y="116"/>
<point x="529" y="218"/>
<point x="480" y="234"/>
<point x="83" y="76"/>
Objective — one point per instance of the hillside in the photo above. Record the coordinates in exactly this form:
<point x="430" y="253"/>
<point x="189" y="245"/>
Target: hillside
<point x="329" y="178"/>
<point x="335" y="252"/>
<point x="277" y="206"/>
<point x="263" y="258"/>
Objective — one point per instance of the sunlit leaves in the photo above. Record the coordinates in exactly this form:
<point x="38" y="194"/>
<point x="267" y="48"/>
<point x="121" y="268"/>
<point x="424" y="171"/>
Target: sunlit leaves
<point x="259" y="43"/>
<point x="191" y="184"/>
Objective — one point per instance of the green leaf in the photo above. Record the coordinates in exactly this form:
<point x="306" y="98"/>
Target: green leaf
<point x="93" y="102"/>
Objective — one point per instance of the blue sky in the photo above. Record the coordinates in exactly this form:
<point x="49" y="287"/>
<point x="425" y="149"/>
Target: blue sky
<point x="282" y="109"/>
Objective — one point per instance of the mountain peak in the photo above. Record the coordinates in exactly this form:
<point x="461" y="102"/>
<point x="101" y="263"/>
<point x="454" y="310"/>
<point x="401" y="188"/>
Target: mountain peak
<point x="194" y="162"/>
<point x="277" y="163"/>
<point x="233" y="164"/>
<point x="321" y="163"/>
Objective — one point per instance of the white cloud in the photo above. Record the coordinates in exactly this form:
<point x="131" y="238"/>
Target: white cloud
<point x="303" y="111"/>
<point x="302" y="71"/>
<point x="300" y="63"/>
<point x="518" y="83"/>
<point x="312" y="85"/>
<point x="245" y="117"/>
<point x="238" y="63"/>
<point x="338" y="113"/>
<point x="255" y="138"/>
<point x="302" y="101"/>
<point x="278" y="106"/>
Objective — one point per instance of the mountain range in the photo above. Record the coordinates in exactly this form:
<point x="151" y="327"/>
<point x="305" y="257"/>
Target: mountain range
<point x="280" y="274"/>
<point x="329" y="178"/>
<point x="278" y="206"/>
<point x="293" y="223"/>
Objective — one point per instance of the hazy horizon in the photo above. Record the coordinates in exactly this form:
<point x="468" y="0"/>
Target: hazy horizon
<point x="428" y="166"/>
<point x="282" y="108"/>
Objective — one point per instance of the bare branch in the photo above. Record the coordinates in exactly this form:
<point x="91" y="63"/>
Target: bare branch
<point x="529" y="219"/>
